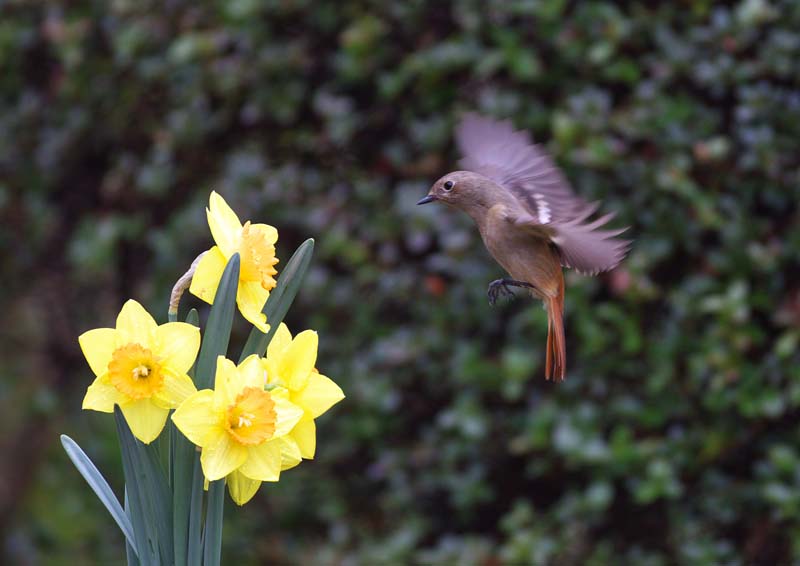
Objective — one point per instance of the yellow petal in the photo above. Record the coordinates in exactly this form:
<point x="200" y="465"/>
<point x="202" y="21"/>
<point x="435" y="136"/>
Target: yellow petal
<point x="98" y="345"/>
<point x="196" y="417"/>
<point x="290" y="452"/>
<point x="177" y="345"/>
<point x="269" y="232"/>
<point x="225" y="225"/>
<point x="251" y="296"/>
<point x="280" y="341"/>
<point x="145" y="418"/>
<point x="176" y="388"/>
<point x="319" y="394"/>
<point x="207" y="275"/>
<point x="242" y="488"/>
<point x="227" y="382"/>
<point x="252" y="372"/>
<point x="287" y="414"/>
<point x="305" y="434"/>
<point x="102" y="396"/>
<point x="135" y="325"/>
<point x="263" y="462"/>
<point x="221" y="456"/>
<point x="298" y="360"/>
<point x="271" y="367"/>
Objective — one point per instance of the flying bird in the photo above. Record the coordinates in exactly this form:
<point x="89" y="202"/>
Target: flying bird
<point x="530" y="220"/>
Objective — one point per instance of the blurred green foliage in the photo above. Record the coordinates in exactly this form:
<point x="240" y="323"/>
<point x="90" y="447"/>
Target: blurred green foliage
<point x="675" y="438"/>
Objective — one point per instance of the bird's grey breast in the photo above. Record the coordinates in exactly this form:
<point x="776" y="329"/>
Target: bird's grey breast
<point x="513" y="248"/>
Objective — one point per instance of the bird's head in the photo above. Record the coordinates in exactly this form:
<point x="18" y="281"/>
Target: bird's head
<point x="460" y="189"/>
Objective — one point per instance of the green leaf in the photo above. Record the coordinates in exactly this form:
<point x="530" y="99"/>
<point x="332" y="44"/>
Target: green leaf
<point x="215" y="343"/>
<point x="163" y="446"/>
<point x="218" y="328"/>
<point x="151" y="512"/>
<point x="130" y="550"/>
<point x="212" y="540"/>
<point x="280" y="299"/>
<point x="183" y="486"/>
<point x="194" y="542"/>
<point x="99" y="485"/>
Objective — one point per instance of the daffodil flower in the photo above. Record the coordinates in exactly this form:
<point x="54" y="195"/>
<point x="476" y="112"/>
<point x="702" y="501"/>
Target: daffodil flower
<point x="290" y="364"/>
<point x="240" y="427"/>
<point x="243" y="488"/>
<point x="141" y="367"/>
<point x="255" y="244"/>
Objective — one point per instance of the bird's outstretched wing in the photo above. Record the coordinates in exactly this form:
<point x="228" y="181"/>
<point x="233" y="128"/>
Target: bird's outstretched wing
<point x="510" y="158"/>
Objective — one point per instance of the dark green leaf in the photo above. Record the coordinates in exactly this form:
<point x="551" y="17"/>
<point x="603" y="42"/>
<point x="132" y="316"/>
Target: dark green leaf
<point x="99" y="485"/>
<point x="183" y="486"/>
<point x="218" y="328"/>
<point x="212" y="535"/>
<point x="150" y="498"/>
<point x="130" y="550"/>
<point x="194" y="541"/>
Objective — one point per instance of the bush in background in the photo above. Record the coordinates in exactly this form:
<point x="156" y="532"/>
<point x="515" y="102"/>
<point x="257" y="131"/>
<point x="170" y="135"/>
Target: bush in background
<point x="674" y="438"/>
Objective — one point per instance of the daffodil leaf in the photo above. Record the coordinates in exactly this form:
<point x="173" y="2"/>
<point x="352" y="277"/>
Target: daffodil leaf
<point x="215" y="343"/>
<point x="151" y="513"/>
<point x="218" y="328"/>
<point x="280" y="299"/>
<point x="130" y="549"/>
<point x="195" y="548"/>
<point x="212" y="551"/>
<point x="183" y="488"/>
<point x="99" y="485"/>
<point x="146" y="549"/>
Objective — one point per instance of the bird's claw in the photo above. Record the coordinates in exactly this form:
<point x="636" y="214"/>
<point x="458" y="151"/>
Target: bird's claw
<point x="496" y="288"/>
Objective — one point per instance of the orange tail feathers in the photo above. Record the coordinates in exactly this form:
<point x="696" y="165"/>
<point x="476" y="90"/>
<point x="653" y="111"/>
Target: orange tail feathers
<point x="556" y="359"/>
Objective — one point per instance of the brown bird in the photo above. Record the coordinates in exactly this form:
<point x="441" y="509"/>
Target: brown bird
<point x="529" y="218"/>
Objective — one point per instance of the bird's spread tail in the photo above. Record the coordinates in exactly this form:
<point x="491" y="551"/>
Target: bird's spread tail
<point x="556" y="359"/>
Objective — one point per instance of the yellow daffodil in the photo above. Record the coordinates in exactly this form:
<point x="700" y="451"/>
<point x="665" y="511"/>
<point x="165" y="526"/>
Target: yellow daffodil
<point x="141" y="367"/>
<point x="290" y="364"/>
<point x="241" y="427"/>
<point x="242" y="488"/>
<point x="255" y="244"/>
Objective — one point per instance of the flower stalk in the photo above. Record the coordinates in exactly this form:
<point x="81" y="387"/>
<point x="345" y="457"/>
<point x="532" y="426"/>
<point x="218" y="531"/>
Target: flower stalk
<point x="180" y="287"/>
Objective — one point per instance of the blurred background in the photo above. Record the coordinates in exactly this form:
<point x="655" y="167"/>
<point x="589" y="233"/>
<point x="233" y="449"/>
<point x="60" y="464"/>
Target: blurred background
<point x="675" y="437"/>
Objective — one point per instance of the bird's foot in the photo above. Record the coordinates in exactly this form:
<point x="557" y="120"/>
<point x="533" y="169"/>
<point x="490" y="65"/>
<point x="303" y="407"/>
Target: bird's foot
<point x="500" y="287"/>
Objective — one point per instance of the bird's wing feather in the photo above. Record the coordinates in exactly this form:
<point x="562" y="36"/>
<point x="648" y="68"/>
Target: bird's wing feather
<point x="508" y="157"/>
<point x="580" y="244"/>
<point x="589" y="250"/>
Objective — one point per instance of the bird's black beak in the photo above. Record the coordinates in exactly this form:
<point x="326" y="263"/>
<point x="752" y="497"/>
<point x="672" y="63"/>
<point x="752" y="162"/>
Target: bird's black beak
<point x="427" y="199"/>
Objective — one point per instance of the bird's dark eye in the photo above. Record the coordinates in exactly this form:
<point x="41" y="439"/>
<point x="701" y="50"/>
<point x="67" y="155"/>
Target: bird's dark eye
<point x="448" y="185"/>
